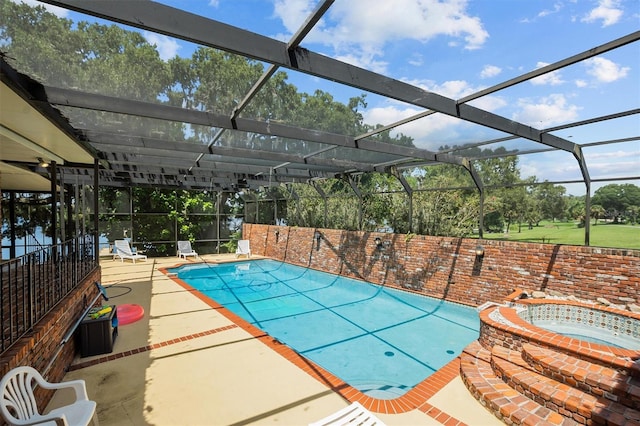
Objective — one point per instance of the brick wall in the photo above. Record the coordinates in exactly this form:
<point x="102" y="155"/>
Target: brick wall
<point x="445" y="267"/>
<point x="39" y="347"/>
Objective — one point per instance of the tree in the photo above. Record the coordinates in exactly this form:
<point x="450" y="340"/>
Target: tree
<point x="45" y="44"/>
<point x="634" y="212"/>
<point x="532" y="214"/>
<point x="385" y="203"/>
<point x="106" y="59"/>
<point x="597" y="211"/>
<point x="502" y="176"/>
<point x="617" y="199"/>
<point x="576" y="209"/>
<point x="551" y="200"/>
<point x="441" y="211"/>
<point x="32" y="211"/>
<point x="320" y="111"/>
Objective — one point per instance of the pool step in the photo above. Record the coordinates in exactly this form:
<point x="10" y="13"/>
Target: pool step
<point x="596" y="380"/>
<point x="541" y="386"/>
<point x="504" y="402"/>
<point x="566" y="400"/>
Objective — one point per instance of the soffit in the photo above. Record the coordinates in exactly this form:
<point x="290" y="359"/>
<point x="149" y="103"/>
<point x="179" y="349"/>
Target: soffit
<point x="22" y="122"/>
<point x="15" y="178"/>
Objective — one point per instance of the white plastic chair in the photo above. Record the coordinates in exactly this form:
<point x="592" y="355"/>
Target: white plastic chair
<point x="354" y="414"/>
<point x="184" y="249"/>
<point x="123" y="251"/>
<point x="19" y="406"/>
<point x="243" y="248"/>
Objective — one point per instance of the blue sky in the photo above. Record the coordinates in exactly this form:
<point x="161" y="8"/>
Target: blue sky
<point x="458" y="47"/>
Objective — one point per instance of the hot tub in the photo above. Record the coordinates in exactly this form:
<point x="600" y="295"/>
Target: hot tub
<point x="584" y="330"/>
<point x="585" y="322"/>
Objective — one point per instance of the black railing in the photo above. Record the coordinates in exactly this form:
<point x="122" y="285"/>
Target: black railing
<point x="33" y="284"/>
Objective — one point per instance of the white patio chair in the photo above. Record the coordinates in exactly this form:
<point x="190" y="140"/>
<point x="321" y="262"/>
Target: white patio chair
<point x="354" y="414"/>
<point x="123" y="251"/>
<point x="243" y="248"/>
<point x="184" y="249"/>
<point x="19" y="406"/>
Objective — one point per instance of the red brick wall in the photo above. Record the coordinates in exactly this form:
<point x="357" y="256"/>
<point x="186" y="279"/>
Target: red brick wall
<point x="445" y="267"/>
<point x="39" y="347"/>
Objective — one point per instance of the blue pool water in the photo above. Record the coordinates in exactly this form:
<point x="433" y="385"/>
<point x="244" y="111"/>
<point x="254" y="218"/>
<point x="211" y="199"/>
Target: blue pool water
<point x="379" y="340"/>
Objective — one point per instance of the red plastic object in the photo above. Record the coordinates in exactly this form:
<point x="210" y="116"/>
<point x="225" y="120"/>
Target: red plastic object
<point x="129" y="313"/>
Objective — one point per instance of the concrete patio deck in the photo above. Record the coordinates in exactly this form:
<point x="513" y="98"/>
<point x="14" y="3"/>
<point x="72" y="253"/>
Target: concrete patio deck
<point x="185" y="363"/>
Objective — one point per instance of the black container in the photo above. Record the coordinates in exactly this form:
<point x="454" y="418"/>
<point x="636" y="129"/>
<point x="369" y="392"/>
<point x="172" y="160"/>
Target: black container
<point x="98" y="335"/>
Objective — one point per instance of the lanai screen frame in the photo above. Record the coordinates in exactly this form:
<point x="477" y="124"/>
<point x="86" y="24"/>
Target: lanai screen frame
<point x="132" y="163"/>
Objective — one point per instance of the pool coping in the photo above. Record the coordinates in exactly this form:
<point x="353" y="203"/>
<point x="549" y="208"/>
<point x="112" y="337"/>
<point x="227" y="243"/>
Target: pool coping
<point x="416" y="398"/>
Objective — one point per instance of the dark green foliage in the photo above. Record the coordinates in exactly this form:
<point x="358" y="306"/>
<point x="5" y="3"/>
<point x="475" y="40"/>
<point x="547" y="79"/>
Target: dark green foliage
<point x="618" y="201"/>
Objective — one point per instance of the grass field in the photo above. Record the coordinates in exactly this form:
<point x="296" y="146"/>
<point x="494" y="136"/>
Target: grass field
<point x="602" y="234"/>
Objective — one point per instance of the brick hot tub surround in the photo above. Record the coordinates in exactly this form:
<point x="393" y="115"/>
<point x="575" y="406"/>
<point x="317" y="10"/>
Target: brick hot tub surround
<point x="503" y="326"/>
<point x="527" y="375"/>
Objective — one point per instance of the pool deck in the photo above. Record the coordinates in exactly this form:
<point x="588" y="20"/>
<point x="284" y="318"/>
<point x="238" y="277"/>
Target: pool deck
<point x="190" y="362"/>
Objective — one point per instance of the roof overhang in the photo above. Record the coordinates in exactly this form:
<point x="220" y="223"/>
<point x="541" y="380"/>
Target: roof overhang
<point x="28" y="137"/>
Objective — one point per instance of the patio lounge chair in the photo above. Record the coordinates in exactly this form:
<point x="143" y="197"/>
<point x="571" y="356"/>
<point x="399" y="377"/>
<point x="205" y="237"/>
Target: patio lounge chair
<point x="123" y="251"/>
<point x="243" y="248"/>
<point x="184" y="249"/>
<point x="354" y="414"/>
<point x="19" y="406"/>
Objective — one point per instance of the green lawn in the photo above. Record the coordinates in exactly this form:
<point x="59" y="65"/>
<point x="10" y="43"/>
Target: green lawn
<point x="602" y="234"/>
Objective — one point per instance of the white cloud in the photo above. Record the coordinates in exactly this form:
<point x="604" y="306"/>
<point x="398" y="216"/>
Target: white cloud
<point x="549" y="111"/>
<point x="490" y="71"/>
<point x="604" y="70"/>
<point x="489" y="103"/>
<point x="609" y="164"/>
<point x="608" y="12"/>
<point x="610" y="169"/>
<point x="167" y="47"/>
<point x="58" y="11"/>
<point x="356" y="30"/>
<point x="365" y="58"/>
<point x="552" y="78"/>
<point x="556" y="8"/>
<point x="552" y="166"/>
<point x="214" y="3"/>
<point x="457" y="89"/>
<point x="427" y="136"/>
<point x="438" y="129"/>
<point x="388" y="114"/>
<point x="419" y="20"/>
<point x="454" y="89"/>
<point x="607" y="155"/>
<point x="581" y="83"/>
<point x="293" y="13"/>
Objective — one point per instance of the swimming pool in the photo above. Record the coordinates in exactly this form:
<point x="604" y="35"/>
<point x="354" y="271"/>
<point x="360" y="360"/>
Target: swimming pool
<point x="379" y="340"/>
